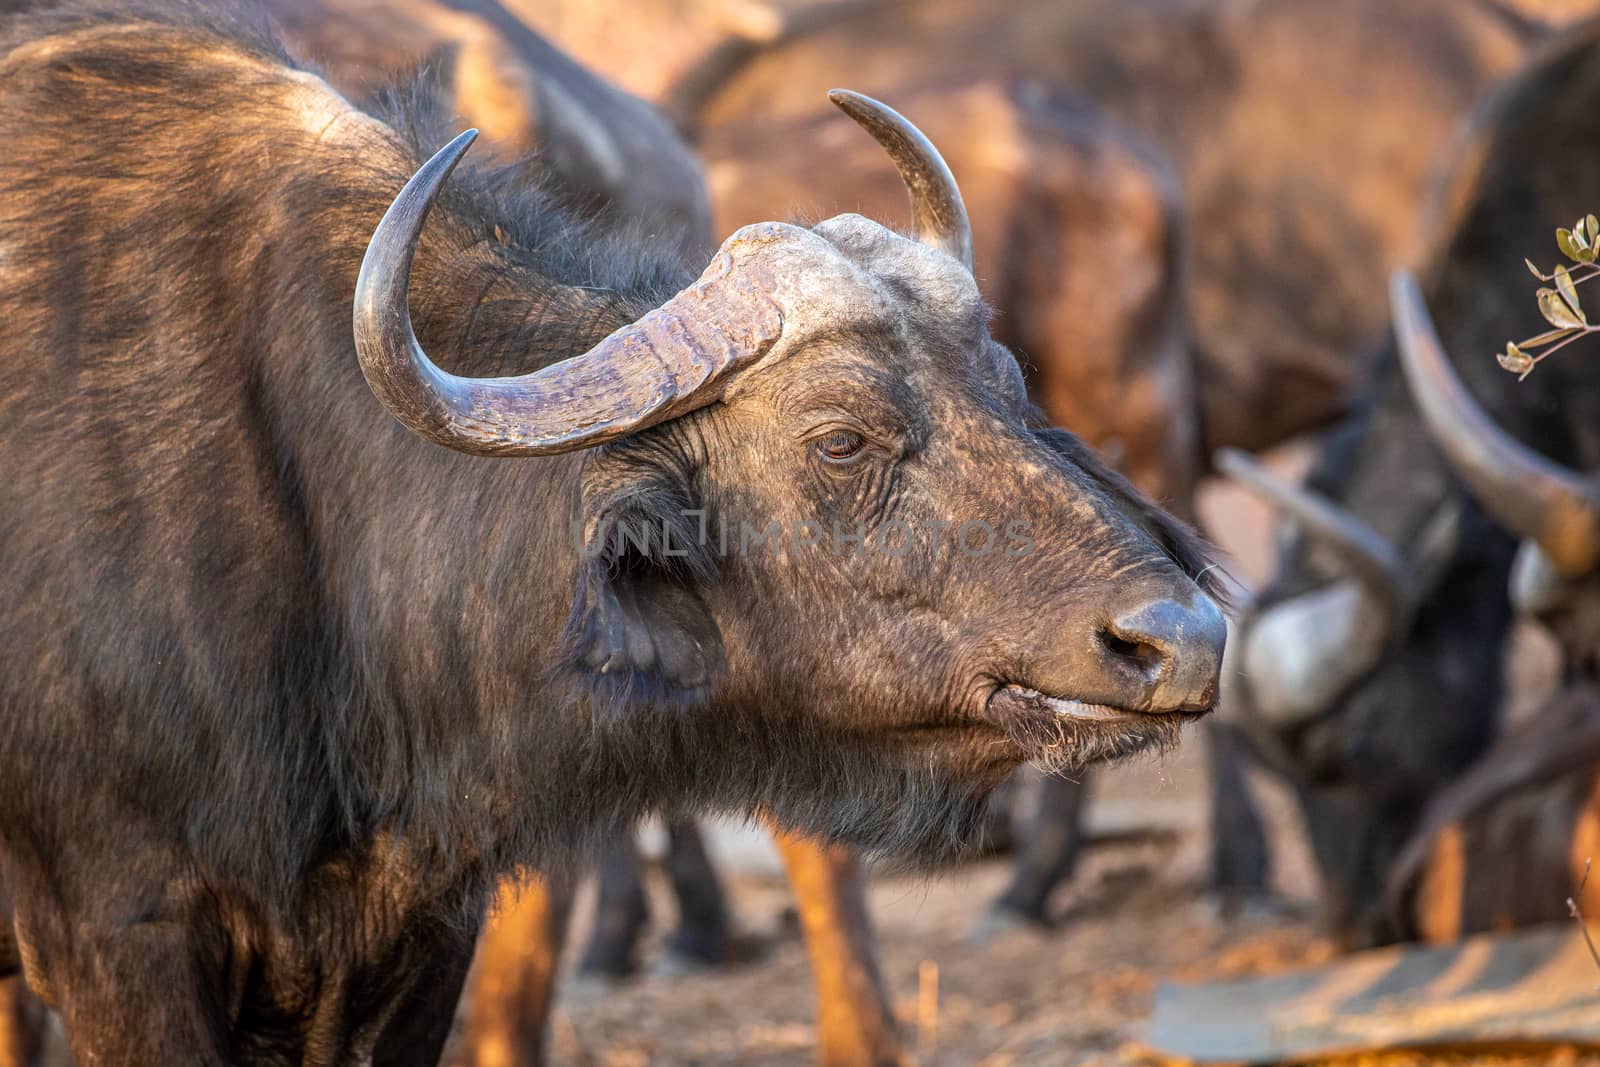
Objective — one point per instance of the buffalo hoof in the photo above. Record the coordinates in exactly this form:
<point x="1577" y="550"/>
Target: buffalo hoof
<point x="612" y="966"/>
<point x="689" y="955"/>
<point x="999" y="921"/>
<point x="1246" y="906"/>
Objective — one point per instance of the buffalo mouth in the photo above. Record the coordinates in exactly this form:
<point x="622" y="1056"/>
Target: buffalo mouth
<point x="1062" y="734"/>
<point x="1082" y="710"/>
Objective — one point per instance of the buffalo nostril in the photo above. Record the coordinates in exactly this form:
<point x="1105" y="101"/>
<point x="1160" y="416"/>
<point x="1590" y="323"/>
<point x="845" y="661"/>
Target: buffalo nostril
<point x="1143" y="654"/>
<point x="1175" y="647"/>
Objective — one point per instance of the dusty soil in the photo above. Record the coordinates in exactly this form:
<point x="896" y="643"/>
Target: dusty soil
<point x="1076" y="995"/>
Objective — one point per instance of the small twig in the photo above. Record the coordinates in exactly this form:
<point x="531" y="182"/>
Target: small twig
<point x="1577" y="913"/>
<point x="1560" y="306"/>
<point x="1580" y="331"/>
<point x="927" y="1008"/>
<point x="1592" y="268"/>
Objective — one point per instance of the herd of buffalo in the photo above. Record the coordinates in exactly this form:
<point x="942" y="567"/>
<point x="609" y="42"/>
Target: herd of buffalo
<point x="424" y="458"/>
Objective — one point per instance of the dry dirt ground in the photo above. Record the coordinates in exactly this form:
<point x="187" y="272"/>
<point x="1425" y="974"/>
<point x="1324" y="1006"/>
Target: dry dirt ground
<point x="1074" y="995"/>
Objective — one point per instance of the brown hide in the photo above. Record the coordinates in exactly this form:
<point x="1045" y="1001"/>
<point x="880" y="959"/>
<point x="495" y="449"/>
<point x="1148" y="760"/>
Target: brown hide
<point x="855" y="1024"/>
<point x="512" y="988"/>
<point x="1554" y="11"/>
<point x="512" y="991"/>
<point x="22" y="1025"/>
<point x="664" y="45"/>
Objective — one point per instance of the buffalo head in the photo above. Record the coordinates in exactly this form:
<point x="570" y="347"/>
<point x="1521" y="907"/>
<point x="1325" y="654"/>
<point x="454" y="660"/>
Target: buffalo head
<point x="1368" y="670"/>
<point x="814" y="508"/>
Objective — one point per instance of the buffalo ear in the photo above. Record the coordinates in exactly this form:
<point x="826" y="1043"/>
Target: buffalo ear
<point x="639" y="632"/>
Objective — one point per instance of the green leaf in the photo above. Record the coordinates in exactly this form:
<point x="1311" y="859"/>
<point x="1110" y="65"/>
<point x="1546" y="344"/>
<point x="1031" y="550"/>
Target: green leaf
<point x="1557" y="312"/>
<point x="1584" y="238"/>
<point x="1550" y="337"/>
<point x="1568" y="292"/>
<point x="1567" y="241"/>
<point x="1535" y="271"/>
<point x="1514" y="359"/>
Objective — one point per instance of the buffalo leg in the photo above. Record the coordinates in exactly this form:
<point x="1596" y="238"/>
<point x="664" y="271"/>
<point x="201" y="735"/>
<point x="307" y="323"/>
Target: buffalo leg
<point x="702" y="931"/>
<point x="855" y="1023"/>
<point x="1238" y="839"/>
<point x="1050" y="846"/>
<point x="420" y="1024"/>
<point x="621" y="911"/>
<point x="513" y="986"/>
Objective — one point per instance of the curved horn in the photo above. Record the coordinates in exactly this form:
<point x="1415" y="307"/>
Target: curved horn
<point x="1372" y="560"/>
<point x="652" y="370"/>
<point x="1525" y="492"/>
<point x="938" y="216"/>
<point x="1301" y="653"/>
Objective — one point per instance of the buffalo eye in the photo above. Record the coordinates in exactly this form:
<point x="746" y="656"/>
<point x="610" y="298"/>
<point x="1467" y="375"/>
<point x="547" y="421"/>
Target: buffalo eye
<point x="840" y="446"/>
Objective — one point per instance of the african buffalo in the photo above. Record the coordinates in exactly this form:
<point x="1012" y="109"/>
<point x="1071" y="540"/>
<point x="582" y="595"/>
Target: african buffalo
<point x="1513" y="840"/>
<point x="308" y="679"/>
<point x="1065" y="186"/>
<point x="1391" y="604"/>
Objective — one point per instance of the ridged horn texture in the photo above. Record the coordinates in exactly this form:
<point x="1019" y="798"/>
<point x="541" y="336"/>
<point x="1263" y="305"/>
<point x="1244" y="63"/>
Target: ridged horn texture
<point x="655" y="369"/>
<point x="1299" y="655"/>
<point x="938" y="215"/>
<point x="1534" y="498"/>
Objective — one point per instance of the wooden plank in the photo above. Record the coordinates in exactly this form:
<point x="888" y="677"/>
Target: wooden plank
<point x="1538" y="986"/>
